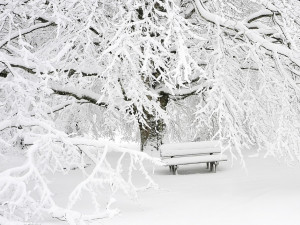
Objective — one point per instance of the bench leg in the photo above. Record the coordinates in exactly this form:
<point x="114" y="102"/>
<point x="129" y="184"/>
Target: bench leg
<point x="172" y="169"/>
<point x="211" y="165"/>
<point x="216" y="164"/>
<point x="175" y="170"/>
<point x="207" y="165"/>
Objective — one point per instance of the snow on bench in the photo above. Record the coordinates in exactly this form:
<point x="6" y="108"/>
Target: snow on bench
<point x="191" y="153"/>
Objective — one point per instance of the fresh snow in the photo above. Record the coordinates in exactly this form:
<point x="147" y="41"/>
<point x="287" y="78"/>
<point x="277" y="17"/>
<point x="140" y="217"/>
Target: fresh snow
<point x="202" y="144"/>
<point x="198" y="69"/>
<point x="187" y="151"/>
<point x="190" y="148"/>
<point x="195" y="159"/>
<point x="265" y="193"/>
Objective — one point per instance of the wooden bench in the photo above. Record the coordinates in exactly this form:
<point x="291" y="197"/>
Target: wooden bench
<point x="191" y="153"/>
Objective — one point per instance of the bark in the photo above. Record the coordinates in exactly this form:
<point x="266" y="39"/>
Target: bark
<point x="152" y="136"/>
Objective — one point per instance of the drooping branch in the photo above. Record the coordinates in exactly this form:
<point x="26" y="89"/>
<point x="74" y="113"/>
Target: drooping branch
<point x="63" y="106"/>
<point x="25" y="31"/>
<point x="16" y="122"/>
<point x="258" y="15"/>
<point x="89" y="96"/>
<point x="16" y="62"/>
<point x="253" y="36"/>
<point x="183" y="92"/>
<point x="79" y="94"/>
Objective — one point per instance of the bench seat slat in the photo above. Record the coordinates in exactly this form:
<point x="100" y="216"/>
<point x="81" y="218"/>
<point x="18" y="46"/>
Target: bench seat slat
<point x="187" y="151"/>
<point x="194" y="159"/>
<point x="190" y="145"/>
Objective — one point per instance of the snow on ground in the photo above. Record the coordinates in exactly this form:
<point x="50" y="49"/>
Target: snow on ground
<point x="267" y="193"/>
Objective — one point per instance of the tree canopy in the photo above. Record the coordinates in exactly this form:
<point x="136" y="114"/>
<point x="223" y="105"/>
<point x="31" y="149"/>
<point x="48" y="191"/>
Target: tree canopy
<point x="75" y="71"/>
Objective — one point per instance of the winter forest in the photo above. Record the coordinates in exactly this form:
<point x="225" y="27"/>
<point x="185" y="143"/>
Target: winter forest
<point x="95" y="87"/>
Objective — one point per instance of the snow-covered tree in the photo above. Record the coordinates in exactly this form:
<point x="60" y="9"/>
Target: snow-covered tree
<point x="253" y="69"/>
<point x="75" y="71"/>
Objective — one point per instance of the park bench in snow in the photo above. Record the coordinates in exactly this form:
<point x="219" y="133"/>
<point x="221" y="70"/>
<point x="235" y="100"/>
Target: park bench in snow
<point x="191" y="153"/>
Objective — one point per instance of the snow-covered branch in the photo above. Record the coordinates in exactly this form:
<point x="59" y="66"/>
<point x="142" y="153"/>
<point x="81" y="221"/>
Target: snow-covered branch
<point x="24" y="31"/>
<point x="230" y="71"/>
<point x="258" y="15"/>
<point x="253" y="36"/>
<point x="79" y="94"/>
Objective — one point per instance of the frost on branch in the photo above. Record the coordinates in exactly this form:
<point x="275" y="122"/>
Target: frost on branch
<point x="253" y="77"/>
<point x="29" y="128"/>
<point x="125" y="56"/>
<point x="74" y="71"/>
<point x="25" y="194"/>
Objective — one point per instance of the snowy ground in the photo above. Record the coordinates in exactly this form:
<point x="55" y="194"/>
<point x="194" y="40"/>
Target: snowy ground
<point x="267" y="193"/>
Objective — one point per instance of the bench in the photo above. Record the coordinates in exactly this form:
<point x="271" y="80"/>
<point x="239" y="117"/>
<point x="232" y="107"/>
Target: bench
<point x="208" y="152"/>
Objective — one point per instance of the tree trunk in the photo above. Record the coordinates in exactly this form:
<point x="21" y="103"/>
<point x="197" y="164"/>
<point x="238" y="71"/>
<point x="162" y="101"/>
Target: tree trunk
<point x="152" y="136"/>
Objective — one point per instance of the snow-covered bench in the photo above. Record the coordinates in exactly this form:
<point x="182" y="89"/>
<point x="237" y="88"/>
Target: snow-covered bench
<point x="191" y="153"/>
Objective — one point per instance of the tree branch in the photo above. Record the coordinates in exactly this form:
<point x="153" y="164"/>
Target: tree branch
<point x="62" y="106"/>
<point x="260" y="14"/>
<point x="75" y="92"/>
<point x="79" y="94"/>
<point x="255" y="37"/>
<point x="181" y="92"/>
<point x="25" y="31"/>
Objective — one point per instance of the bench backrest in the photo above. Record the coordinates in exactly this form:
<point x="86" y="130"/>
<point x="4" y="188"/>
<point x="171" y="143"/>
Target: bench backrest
<point x="190" y="148"/>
